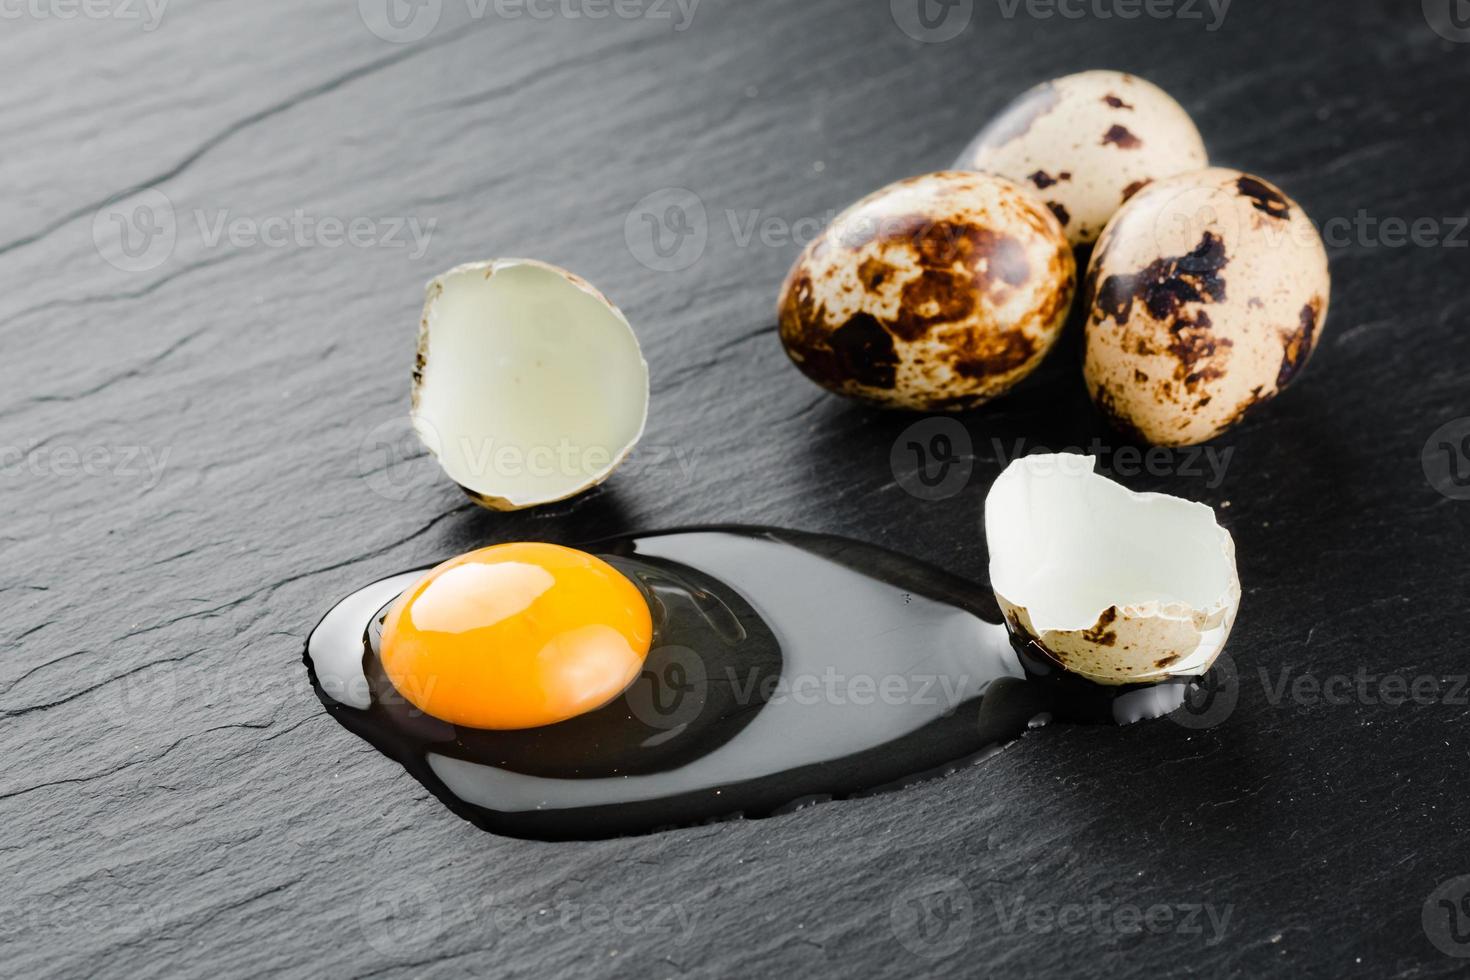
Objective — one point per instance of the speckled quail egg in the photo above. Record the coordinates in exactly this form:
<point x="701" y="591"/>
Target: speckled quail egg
<point x="529" y="386"/>
<point x="1205" y="297"/>
<point x="936" y="293"/>
<point x="1119" y="587"/>
<point x="1086" y="143"/>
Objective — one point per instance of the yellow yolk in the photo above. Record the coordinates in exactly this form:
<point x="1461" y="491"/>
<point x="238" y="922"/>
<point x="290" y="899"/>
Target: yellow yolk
<point x="516" y="636"/>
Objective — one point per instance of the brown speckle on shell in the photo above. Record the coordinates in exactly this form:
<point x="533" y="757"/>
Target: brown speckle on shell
<point x="1099" y="633"/>
<point x="1167" y="283"/>
<point x="863" y="352"/>
<point x="1120" y="137"/>
<point x="1192" y="342"/>
<point x="996" y="356"/>
<point x="873" y="272"/>
<point x="937" y="295"/>
<point x="1299" y="343"/>
<point x="1264" y="198"/>
<point x="1043" y="180"/>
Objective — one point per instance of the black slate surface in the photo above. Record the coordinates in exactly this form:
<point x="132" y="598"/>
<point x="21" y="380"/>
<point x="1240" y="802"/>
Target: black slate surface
<point x="204" y="448"/>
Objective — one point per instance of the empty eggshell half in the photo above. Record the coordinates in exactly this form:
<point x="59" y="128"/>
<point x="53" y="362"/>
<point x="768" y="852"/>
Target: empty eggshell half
<point x="1119" y="587"/>
<point x="530" y="386"/>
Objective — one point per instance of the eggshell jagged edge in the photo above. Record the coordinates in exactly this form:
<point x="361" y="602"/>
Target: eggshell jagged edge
<point x="1129" y="642"/>
<point x="432" y="291"/>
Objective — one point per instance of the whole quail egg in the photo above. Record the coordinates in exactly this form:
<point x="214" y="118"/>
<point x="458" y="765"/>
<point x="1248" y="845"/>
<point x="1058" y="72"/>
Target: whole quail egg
<point x="1086" y="143"/>
<point x="1205" y="297"/>
<point x="936" y="293"/>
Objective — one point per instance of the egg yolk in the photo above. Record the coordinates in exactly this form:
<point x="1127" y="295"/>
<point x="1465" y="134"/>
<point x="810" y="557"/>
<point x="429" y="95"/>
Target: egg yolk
<point x="516" y="636"/>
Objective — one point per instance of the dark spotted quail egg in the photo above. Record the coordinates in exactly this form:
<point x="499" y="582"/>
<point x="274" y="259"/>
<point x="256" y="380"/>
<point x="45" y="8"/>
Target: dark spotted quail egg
<point x="936" y="293"/>
<point x="1086" y="143"/>
<point x="1206" y="295"/>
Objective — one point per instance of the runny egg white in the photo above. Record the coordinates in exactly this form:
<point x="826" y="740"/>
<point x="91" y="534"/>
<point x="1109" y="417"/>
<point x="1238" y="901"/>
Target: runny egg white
<point x="675" y="678"/>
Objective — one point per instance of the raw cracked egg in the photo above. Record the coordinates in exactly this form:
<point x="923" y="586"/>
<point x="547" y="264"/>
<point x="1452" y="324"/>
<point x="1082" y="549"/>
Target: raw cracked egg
<point x="530" y="386"/>
<point x="1206" y="296"/>
<point x="1119" y="587"/>
<point x="935" y="293"/>
<point x="516" y="636"/>
<point x="1084" y="144"/>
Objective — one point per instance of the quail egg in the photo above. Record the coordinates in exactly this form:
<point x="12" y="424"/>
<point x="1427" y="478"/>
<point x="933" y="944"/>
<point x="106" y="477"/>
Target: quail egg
<point x="936" y="293"/>
<point x="530" y="386"/>
<point x="1205" y="297"/>
<point x="1086" y="143"/>
<point x="1119" y="587"/>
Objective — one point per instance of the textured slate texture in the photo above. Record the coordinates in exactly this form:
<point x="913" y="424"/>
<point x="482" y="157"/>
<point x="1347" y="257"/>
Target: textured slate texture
<point x="203" y="450"/>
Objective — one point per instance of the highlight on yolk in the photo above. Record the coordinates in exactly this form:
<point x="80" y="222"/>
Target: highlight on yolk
<point x="516" y="636"/>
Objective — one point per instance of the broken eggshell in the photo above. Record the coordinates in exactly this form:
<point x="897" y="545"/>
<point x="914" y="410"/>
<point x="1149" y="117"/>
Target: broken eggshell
<point x="1206" y="295"/>
<point x="1086" y="143"/>
<point x="1116" y="586"/>
<point x="530" y="386"/>
<point x="936" y="293"/>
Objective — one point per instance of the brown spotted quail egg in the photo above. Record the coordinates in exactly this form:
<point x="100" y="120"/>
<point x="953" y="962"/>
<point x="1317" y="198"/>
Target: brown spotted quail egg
<point x="936" y="293"/>
<point x="1086" y="143"/>
<point x="1206" y="295"/>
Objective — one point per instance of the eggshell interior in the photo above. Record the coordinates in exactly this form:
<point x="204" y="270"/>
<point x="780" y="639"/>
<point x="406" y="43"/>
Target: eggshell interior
<point x="530" y="385"/>
<point x="1121" y="586"/>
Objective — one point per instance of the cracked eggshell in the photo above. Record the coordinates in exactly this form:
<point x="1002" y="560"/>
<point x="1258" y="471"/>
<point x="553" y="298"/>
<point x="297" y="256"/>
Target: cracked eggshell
<point x="1119" y="587"/>
<point x="1205" y="297"/>
<point x="530" y="386"/>
<point x="1084" y="144"/>
<point x="937" y="293"/>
